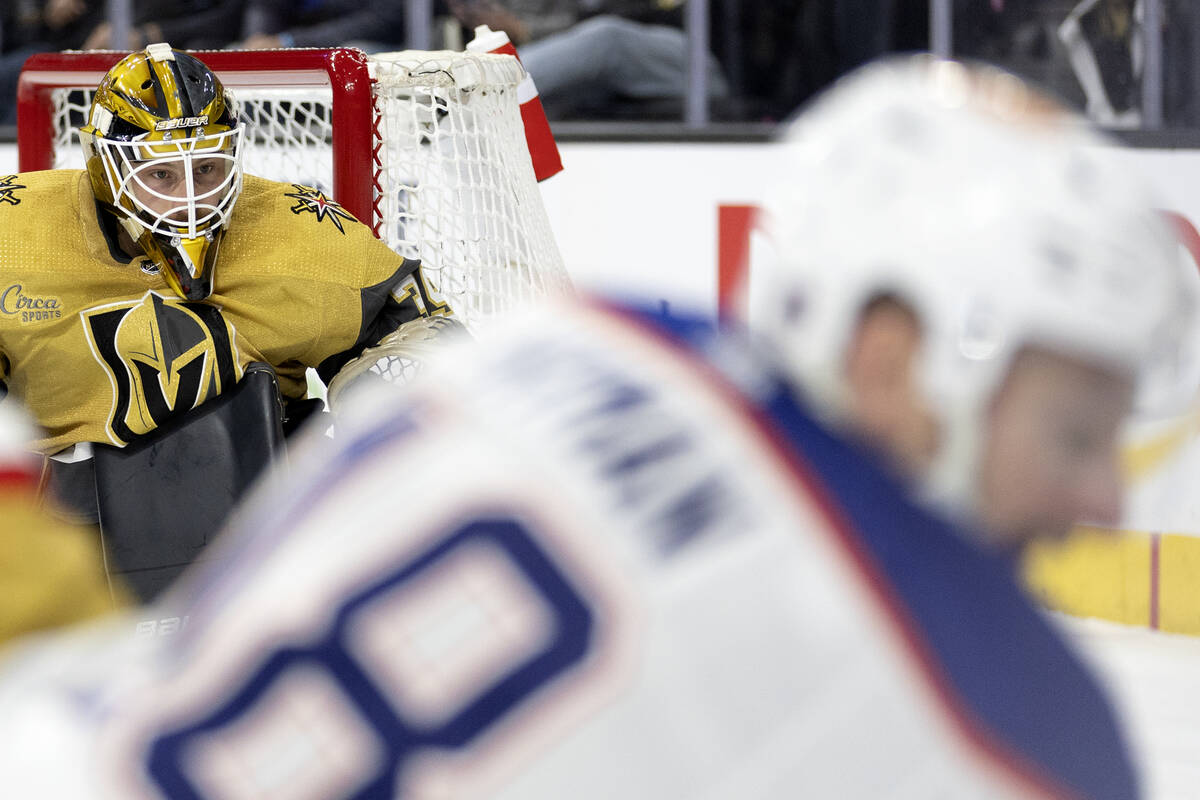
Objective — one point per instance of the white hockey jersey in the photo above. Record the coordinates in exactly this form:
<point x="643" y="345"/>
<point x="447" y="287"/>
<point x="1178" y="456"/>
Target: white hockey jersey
<point x="578" y="560"/>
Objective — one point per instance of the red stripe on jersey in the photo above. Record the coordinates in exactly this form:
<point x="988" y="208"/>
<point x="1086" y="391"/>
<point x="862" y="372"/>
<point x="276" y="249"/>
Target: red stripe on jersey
<point x="16" y="478"/>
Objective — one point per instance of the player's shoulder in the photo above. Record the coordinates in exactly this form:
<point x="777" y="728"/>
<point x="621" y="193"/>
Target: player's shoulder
<point x="961" y="612"/>
<point x="41" y="191"/>
<point x="300" y="231"/>
<point x="40" y="212"/>
<point x="42" y="180"/>
<point x="296" y="207"/>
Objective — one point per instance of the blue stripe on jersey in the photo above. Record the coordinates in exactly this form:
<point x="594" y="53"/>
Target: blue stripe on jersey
<point x="1008" y="677"/>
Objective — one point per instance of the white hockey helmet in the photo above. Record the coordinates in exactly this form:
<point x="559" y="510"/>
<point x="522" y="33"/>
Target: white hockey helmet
<point x="992" y="213"/>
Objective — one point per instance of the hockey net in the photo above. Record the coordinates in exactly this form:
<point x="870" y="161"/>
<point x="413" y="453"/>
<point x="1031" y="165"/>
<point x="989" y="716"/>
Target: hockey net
<point x="426" y="147"/>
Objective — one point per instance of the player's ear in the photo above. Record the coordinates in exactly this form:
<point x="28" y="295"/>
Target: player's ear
<point x="883" y="389"/>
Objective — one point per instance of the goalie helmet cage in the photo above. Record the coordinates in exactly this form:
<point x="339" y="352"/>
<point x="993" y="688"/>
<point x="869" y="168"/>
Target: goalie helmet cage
<point x="426" y="147"/>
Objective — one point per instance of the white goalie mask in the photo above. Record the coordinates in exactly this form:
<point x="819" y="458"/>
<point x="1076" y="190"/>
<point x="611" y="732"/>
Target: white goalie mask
<point x="998" y="218"/>
<point x="178" y="187"/>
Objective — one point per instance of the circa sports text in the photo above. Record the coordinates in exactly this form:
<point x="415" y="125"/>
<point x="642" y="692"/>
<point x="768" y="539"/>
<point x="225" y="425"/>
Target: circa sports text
<point x="31" y="308"/>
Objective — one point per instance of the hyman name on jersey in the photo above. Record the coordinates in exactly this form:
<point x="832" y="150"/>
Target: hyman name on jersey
<point x="653" y="462"/>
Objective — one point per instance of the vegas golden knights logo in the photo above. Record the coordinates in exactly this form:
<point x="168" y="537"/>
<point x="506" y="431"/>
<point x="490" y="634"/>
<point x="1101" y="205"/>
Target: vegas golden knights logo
<point x="164" y="356"/>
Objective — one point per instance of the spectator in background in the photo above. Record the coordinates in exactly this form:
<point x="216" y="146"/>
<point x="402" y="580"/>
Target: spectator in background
<point x="192" y="25"/>
<point x="584" y="55"/>
<point x="34" y="26"/>
<point x="371" y="25"/>
<point x="1105" y="45"/>
<point x="587" y="55"/>
<point x="55" y="23"/>
<point x="867" y="29"/>
<point x="1101" y="37"/>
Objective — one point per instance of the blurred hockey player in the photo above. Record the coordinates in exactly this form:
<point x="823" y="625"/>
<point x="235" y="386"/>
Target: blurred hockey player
<point x="608" y="554"/>
<point x="51" y="573"/>
<point x="145" y="286"/>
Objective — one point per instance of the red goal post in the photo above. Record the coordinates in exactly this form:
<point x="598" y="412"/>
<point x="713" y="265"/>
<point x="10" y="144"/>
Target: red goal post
<point x="426" y="147"/>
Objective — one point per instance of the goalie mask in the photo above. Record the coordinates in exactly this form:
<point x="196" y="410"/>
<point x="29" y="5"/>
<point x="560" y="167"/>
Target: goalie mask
<point x="162" y="145"/>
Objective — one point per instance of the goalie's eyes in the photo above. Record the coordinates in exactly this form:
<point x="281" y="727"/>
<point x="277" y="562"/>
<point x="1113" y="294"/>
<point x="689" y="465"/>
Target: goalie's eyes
<point x="160" y="175"/>
<point x="205" y="174"/>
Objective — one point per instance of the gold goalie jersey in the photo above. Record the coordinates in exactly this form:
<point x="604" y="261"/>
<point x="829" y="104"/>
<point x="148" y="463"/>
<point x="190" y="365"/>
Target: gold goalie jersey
<point x="100" y="349"/>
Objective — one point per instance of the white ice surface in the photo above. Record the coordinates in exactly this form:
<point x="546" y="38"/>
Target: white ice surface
<point x="1154" y="681"/>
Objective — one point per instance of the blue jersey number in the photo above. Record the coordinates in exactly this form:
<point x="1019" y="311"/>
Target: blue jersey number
<point x="400" y="736"/>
